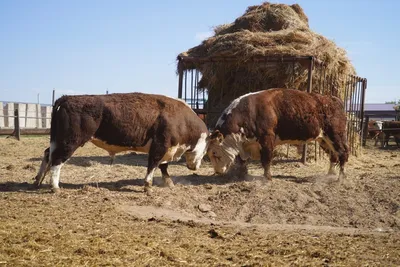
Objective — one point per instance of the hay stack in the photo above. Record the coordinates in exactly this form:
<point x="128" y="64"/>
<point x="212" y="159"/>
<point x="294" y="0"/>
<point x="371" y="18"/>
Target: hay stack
<point x="264" y="30"/>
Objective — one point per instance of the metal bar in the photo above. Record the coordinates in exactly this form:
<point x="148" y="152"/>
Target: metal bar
<point x="309" y="89"/>
<point x="352" y="110"/>
<point x="53" y="97"/>
<point x="346" y="92"/>
<point x="358" y="133"/>
<point x="363" y="132"/>
<point x="25" y="131"/>
<point x="185" y="85"/>
<point x="196" y="96"/>
<point x="180" y="80"/>
<point x="191" y="89"/>
<point x="272" y="59"/>
<point x="27" y="117"/>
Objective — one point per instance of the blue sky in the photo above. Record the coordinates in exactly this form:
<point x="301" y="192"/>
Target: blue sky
<point x="88" y="46"/>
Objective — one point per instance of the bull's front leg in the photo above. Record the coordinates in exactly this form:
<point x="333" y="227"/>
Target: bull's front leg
<point x="156" y="153"/>
<point x="166" y="178"/>
<point x="267" y="149"/>
<point x="44" y="168"/>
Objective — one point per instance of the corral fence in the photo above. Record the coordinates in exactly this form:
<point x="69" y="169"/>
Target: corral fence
<point x="351" y="89"/>
<point x="18" y="119"/>
<point x="24" y="119"/>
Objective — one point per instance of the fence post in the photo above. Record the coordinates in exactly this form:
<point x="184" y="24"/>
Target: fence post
<point x="53" y="98"/>
<point x="365" y="130"/>
<point x="17" y="130"/>
<point x="309" y="89"/>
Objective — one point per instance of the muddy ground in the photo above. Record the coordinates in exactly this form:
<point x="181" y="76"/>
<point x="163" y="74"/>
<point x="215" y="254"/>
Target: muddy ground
<point x="103" y="218"/>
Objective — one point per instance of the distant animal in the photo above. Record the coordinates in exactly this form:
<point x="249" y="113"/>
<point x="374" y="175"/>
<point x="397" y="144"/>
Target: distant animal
<point x="390" y="128"/>
<point x="253" y="124"/>
<point x="375" y="130"/>
<point x="163" y="127"/>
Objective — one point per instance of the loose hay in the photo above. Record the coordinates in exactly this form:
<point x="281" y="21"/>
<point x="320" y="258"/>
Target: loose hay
<point x="300" y="218"/>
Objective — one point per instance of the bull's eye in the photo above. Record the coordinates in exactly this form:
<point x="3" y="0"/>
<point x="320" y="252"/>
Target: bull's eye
<point x="215" y="155"/>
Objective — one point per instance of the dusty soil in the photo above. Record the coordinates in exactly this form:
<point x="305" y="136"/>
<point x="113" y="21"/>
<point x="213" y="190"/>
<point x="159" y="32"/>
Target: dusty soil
<point x="103" y="218"/>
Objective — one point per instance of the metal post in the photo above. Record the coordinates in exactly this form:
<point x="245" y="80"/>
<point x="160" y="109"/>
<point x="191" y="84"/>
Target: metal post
<point x="309" y="89"/>
<point x="365" y="132"/>
<point x="180" y="81"/>
<point x="53" y="99"/>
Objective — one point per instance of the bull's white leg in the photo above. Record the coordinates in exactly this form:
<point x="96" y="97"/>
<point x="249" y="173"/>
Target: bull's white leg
<point x="55" y="177"/>
<point x="165" y="175"/>
<point x="44" y="169"/>
<point x="148" y="181"/>
<point x="342" y="175"/>
<point x="332" y="168"/>
<point x="112" y="156"/>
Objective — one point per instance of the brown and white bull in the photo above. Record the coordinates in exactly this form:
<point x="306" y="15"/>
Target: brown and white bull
<point x="375" y="130"/>
<point x="253" y="124"/>
<point x="390" y="128"/>
<point x="162" y="127"/>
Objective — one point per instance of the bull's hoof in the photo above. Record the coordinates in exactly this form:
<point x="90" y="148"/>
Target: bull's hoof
<point x="168" y="183"/>
<point x="37" y="183"/>
<point x="332" y="172"/>
<point x="148" y="190"/>
<point x="56" y="190"/>
<point x="266" y="180"/>
<point x="342" y="176"/>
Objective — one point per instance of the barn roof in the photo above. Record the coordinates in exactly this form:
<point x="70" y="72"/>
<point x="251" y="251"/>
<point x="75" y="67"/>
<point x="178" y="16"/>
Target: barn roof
<point x="379" y="107"/>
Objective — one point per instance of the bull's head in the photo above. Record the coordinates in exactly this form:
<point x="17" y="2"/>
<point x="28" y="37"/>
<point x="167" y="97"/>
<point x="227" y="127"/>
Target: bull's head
<point x="194" y="157"/>
<point x="221" y="152"/>
<point x="377" y="125"/>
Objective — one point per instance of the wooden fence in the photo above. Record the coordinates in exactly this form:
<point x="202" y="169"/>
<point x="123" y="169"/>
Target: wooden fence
<point x="25" y="119"/>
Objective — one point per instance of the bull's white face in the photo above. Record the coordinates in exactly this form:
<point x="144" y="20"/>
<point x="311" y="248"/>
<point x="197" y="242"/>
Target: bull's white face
<point x="221" y="153"/>
<point x="377" y="125"/>
<point x="194" y="157"/>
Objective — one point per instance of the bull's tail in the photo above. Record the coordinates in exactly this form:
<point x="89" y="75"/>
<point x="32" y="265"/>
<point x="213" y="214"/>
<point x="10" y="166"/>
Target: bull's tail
<point x="60" y="125"/>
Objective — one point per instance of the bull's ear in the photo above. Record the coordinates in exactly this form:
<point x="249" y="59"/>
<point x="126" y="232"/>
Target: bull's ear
<point x="216" y="135"/>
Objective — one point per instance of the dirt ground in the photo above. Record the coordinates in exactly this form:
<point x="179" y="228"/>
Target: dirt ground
<point x="102" y="217"/>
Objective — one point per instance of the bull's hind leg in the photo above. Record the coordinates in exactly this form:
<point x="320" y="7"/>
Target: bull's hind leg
<point x="166" y="178"/>
<point x="267" y="149"/>
<point x="59" y="154"/>
<point x="44" y="168"/>
<point x="333" y="158"/>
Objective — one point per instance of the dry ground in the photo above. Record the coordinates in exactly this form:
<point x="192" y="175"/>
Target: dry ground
<point x="103" y="218"/>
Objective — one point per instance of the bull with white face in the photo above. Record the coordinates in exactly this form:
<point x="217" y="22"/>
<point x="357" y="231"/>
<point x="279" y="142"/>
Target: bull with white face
<point x="375" y="131"/>
<point x="253" y="124"/>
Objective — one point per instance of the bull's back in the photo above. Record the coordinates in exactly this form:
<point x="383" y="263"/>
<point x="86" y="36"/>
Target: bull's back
<point x="133" y="120"/>
<point x="298" y="115"/>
